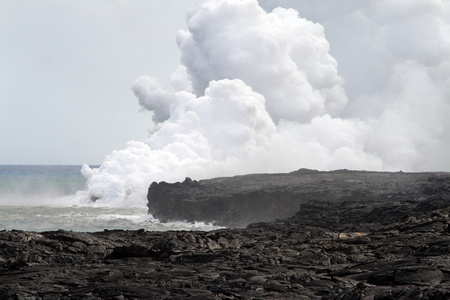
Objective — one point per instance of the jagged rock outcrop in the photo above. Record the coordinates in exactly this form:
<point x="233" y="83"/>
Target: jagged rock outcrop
<point x="328" y="250"/>
<point x="241" y="200"/>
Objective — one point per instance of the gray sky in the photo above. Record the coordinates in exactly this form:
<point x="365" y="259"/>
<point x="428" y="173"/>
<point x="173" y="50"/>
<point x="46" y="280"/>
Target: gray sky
<point x="66" y="69"/>
<point x="66" y="72"/>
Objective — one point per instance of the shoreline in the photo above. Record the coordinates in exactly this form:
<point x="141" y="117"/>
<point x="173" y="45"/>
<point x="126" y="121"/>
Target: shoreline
<point x="326" y="251"/>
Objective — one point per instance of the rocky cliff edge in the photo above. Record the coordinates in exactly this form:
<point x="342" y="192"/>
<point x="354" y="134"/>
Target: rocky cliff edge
<point x="241" y="200"/>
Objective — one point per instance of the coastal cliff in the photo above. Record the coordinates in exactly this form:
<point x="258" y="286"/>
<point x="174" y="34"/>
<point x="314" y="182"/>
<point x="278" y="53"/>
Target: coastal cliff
<point x="241" y="200"/>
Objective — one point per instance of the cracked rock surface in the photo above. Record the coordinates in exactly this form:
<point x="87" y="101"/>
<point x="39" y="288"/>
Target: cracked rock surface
<point x="377" y="249"/>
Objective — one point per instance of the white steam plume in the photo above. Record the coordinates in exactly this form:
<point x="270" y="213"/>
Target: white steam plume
<point x="259" y="91"/>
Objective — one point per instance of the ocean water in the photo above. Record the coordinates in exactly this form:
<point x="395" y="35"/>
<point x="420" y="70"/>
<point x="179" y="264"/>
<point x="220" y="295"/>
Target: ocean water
<point x="43" y="198"/>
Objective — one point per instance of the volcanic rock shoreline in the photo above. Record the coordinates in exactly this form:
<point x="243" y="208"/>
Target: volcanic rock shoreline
<point x="241" y="200"/>
<point x="388" y="243"/>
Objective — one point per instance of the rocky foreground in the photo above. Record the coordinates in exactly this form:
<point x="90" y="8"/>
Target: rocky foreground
<point x="377" y="249"/>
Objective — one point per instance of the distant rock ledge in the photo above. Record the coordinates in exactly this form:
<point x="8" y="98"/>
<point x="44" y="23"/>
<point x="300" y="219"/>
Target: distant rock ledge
<point x="241" y="200"/>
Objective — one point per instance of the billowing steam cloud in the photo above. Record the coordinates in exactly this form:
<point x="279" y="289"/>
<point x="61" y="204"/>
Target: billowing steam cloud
<point x="259" y="91"/>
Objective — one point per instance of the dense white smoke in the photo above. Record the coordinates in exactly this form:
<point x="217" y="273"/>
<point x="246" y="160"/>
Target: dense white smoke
<point x="259" y="91"/>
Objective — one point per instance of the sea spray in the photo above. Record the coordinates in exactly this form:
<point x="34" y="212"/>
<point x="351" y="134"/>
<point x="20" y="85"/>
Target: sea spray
<point x="43" y="198"/>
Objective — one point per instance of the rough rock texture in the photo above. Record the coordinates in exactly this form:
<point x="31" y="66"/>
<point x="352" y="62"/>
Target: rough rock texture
<point x="326" y="251"/>
<point x="241" y="200"/>
<point x="388" y="248"/>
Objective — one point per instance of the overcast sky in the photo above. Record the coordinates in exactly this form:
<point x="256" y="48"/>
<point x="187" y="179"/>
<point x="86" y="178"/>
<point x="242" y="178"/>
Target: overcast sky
<point x="381" y="66"/>
<point x="66" y="72"/>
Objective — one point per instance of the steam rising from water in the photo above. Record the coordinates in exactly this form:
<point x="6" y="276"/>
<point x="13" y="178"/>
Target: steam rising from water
<point x="259" y="91"/>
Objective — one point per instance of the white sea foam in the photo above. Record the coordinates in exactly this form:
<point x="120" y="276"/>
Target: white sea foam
<point x="86" y="219"/>
<point x="41" y="198"/>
